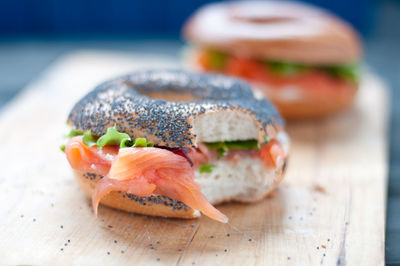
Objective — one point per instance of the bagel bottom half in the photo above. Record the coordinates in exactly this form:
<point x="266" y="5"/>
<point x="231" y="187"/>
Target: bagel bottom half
<point x="296" y="103"/>
<point x="246" y="180"/>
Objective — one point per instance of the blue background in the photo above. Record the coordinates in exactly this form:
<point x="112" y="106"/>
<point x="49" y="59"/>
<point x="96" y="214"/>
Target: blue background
<point x="133" y="17"/>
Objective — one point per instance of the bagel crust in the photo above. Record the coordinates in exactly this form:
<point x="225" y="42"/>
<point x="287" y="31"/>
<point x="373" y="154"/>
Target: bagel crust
<point x="274" y="30"/>
<point x="153" y="205"/>
<point x="132" y="103"/>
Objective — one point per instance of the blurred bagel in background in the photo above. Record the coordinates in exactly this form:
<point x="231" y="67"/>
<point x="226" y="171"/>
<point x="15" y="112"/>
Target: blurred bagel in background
<point x="302" y="58"/>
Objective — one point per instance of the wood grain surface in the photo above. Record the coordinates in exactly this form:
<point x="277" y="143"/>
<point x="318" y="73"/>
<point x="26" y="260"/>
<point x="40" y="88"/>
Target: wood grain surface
<point x="330" y="210"/>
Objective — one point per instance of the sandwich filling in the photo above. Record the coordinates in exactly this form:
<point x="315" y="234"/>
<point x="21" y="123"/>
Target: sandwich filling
<point x="281" y="74"/>
<point x="138" y="167"/>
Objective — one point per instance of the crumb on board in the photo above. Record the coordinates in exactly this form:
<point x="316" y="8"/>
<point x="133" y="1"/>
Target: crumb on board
<point x="323" y="246"/>
<point x="272" y="194"/>
<point x="320" y="189"/>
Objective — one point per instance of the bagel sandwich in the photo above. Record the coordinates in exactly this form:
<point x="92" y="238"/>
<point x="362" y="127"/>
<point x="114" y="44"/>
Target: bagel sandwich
<point x="304" y="59"/>
<point x="172" y="144"/>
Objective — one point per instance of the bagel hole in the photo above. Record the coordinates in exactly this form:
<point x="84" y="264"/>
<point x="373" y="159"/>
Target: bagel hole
<point x="261" y="15"/>
<point x="262" y="20"/>
<point x="167" y="94"/>
<point x="171" y="96"/>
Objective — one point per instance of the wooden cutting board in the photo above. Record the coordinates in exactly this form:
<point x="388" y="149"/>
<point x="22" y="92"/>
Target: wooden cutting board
<point x="330" y="210"/>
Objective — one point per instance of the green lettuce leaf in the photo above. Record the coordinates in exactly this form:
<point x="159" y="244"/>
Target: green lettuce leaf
<point x="62" y="148"/>
<point x="142" y="142"/>
<point x="88" y="139"/>
<point x="286" y="68"/>
<point x="223" y="147"/>
<point x="112" y="137"/>
<point x="218" y="59"/>
<point x="347" y="72"/>
<point x="74" y="133"/>
<point x="139" y="142"/>
<point x="126" y="143"/>
<point x="206" y="168"/>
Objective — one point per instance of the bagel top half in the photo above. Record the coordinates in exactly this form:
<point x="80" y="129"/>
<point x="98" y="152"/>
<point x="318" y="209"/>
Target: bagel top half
<point x="177" y="109"/>
<point x="275" y="30"/>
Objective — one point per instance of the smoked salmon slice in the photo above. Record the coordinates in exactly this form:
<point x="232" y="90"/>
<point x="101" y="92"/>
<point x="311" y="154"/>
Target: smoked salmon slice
<point x="272" y="154"/>
<point x="142" y="172"/>
<point x="89" y="159"/>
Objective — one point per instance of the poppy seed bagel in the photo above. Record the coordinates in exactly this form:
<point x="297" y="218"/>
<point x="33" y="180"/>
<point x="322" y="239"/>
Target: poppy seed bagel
<point x="177" y="111"/>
